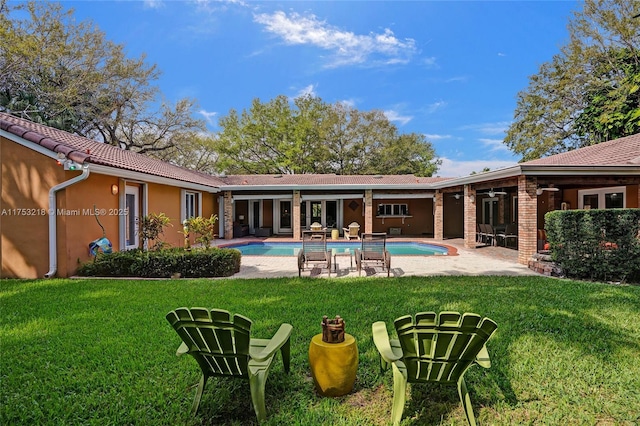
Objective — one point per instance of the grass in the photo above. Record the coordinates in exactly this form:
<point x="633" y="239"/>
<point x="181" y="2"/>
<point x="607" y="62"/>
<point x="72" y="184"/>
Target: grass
<point x="100" y="351"/>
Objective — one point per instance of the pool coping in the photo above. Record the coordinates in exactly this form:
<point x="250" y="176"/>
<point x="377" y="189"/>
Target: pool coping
<point x="451" y="250"/>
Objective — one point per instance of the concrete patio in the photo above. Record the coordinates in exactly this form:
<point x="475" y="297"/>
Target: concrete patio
<point x="484" y="260"/>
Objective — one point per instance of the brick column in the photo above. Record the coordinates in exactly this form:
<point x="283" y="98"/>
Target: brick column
<point x="295" y="215"/>
<point x="368" y="210"/>
<point x="438" y="216"/>
<point x="470" y="217"/>
<point x="501" y="208"/>
<point x="228" y="215"/>
<point x="527" y="218"/>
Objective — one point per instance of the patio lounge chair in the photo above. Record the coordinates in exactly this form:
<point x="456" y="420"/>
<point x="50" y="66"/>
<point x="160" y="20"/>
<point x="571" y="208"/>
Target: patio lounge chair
<point x="224" y="347"/>
<point x="433" y="348"/>
<point x="352" y="231"/>
<point x="373" y="250"/>
<point x="314" y="251"/>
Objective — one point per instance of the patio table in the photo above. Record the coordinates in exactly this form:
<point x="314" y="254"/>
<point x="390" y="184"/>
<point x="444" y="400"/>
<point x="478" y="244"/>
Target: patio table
<point x="335" y="253"/>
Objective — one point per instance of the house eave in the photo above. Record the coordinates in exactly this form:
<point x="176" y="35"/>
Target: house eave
<point x="334" y="187"/>
<point x="631" y="169"/>
<point x="145" y="177"/>
<point x="507" y="172"/>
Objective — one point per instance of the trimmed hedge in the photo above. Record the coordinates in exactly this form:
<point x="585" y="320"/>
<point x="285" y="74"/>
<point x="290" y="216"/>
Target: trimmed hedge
<point x="212" y="262"/>
<point x="601" y="245"/>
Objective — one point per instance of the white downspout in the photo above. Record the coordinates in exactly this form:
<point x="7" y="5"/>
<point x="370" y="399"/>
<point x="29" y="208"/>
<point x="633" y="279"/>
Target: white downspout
<point x="53" y="249"/>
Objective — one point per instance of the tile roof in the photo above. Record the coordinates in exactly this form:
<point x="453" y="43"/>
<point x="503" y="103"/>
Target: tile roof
<point x="328" y="180"/>
<point x="618" y="152"/>
<point x="623" y="152"/>
<point x="81" y="149"/>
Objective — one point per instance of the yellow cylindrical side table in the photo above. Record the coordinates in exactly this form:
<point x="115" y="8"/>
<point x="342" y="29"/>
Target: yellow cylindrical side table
<point x="335" y="234"/>
<point x="333" y="365"/>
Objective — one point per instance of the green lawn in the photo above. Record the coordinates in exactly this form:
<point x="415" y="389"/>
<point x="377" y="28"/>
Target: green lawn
<point x="101" y="352"/>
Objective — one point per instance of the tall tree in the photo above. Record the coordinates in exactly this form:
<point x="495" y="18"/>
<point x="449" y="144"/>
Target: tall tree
<point x="67" y="75"/>
<point x="310" y="136"/>
<point x="587" y="93"/>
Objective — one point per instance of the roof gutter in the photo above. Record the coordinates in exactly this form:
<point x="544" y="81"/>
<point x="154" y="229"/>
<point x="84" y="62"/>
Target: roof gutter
<point x="53" y="249"/>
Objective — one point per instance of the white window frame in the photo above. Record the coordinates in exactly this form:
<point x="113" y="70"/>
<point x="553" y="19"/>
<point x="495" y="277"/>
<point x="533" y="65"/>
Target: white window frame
<point x="393" y="210"/>
<point x="197" y="197"/>
<point x="601" y="193"/>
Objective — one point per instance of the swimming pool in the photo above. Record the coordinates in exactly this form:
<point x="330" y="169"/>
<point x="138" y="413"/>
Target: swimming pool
<point x="292" y="249"/>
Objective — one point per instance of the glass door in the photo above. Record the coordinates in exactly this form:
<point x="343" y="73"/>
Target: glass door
<point x="331" y="214"/>
<point x="285" y="216"/>
<point x="131" y="199"/>
<point x="254" y="216"/>
<point x="490" y="210"/>
<point x="316" y="212"/>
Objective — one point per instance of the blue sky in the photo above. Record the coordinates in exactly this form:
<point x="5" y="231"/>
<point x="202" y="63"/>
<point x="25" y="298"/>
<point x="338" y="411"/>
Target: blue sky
<point x="450" y="70"/>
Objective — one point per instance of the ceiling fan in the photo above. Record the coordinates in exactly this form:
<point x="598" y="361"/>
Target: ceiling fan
<point x="493" y="193"/>
<point x="540" y="190"/>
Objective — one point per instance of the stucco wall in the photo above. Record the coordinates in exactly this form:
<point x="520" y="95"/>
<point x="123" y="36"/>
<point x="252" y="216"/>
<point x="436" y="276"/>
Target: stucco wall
<point x="77" y="224"/>
<point x="26" y="179"/>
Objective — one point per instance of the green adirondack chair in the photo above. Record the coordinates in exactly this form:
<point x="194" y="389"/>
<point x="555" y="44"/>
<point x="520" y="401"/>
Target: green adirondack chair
<point x="224" y="347"/>
<point x="433" y="348"/>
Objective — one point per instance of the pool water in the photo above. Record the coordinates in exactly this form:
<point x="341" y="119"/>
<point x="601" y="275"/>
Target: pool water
<point x="292" y="249"/>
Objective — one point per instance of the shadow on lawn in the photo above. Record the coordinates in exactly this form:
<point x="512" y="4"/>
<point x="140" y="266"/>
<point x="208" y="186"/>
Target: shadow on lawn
<point x="576" y="322"/>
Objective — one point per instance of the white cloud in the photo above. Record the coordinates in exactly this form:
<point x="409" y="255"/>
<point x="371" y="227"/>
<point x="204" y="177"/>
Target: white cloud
<point x="347" y="48"/>
<point x="208" y="116"/>
<point x="431" y="108"/>
<point x="153" y="4"/>
<point x="494" y="145"/>
<point x="215" y="5"/>
<point x="497" y="128"/>
<point x="351" y="103"/>
<point x="451" y="168"/>
<point x="462" y="79"/>
<point x="306" y="91"/>
<point x="395" y="116"/>
<point x="433" y="137"/>
<point x="430" y="62"/>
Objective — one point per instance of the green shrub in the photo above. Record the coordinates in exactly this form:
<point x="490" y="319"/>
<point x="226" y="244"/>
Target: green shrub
<point x="151" y="227"/>
<point x="213" y="262"/>
<point x="601" y="245"/>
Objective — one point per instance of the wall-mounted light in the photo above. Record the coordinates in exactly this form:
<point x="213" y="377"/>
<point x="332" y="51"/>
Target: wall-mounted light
<point x="472" y="198"/>
<point x="114" y="189"/>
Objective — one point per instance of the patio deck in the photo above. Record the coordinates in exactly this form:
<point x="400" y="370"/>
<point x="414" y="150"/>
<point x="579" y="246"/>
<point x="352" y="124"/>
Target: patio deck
<point x="484" y="260"/>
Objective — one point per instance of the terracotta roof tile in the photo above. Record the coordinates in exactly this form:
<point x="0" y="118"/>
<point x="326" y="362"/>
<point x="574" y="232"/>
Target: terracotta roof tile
<point x="619" y="152"/>
<point x="80" y="149"/>
<point x="328" y="179"/>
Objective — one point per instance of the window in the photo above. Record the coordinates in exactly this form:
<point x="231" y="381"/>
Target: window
<point x="191" y="205"/>
<point x="602" y="198"/>
<point x="393" y="210"/>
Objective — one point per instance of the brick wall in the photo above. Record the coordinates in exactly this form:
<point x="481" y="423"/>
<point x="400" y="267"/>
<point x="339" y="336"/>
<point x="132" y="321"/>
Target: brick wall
<point x="469" y="217"/>
<point x="295" y="211"/>
<point x="527" y="218"/>
<point x="368" y="211"/>
<point x="438" y="219"/>
<point x="228" y="216"/>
